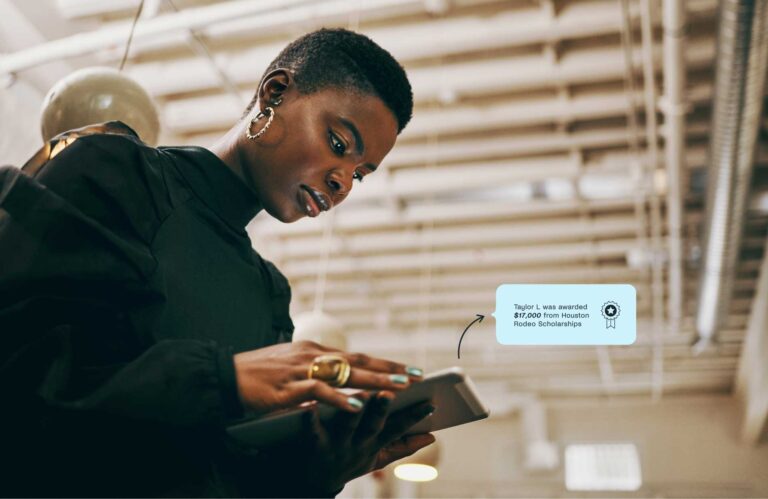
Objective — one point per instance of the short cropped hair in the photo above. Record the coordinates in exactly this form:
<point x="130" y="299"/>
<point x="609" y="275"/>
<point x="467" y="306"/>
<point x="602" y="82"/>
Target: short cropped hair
<point x="347" y="60"/>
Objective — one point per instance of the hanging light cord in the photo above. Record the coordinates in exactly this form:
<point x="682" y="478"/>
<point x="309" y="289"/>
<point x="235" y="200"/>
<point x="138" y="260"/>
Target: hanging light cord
<point x="130" y="35"/>
<point x="427" y="239"/>
<point x="325" y="255"/>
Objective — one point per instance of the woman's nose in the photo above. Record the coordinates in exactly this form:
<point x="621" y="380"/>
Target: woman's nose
<point x="334" y="185"/>
<point x="338" y="182"/>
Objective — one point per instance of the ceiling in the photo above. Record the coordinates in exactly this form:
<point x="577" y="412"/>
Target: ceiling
<point x="531" y="158"/>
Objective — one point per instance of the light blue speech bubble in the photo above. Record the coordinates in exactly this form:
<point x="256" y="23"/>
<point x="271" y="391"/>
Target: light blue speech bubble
<point x="566" y="314"/>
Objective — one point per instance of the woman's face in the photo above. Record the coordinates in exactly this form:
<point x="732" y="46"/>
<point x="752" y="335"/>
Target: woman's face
<point x="318" y="145"/>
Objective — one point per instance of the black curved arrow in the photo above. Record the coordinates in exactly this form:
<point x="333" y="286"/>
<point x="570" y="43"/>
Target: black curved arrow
<point x="479" y="319"/>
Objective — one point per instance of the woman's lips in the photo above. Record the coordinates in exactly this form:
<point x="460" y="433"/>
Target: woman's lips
<point x="307" y="204"/>
<point x="312" y="202"/>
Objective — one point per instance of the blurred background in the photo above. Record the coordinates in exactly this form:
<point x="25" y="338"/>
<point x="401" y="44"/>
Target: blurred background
<point x="553" y="141"/>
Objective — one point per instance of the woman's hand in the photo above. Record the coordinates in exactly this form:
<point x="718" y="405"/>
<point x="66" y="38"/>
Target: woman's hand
<point x="276" y="377"/>
<point x="348" y="446"/>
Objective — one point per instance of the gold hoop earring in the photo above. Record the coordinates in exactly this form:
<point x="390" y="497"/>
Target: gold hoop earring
<point x="271" y="113"/>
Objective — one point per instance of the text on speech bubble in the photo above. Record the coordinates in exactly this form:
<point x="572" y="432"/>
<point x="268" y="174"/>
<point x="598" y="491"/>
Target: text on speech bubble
<point x="566" y="314"/>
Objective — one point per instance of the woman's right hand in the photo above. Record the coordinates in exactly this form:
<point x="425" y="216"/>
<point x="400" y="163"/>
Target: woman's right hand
<point x="276" y="377"/>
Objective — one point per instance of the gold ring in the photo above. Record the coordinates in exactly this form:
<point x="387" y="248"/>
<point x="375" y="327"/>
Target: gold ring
<point x="333" y="369"/>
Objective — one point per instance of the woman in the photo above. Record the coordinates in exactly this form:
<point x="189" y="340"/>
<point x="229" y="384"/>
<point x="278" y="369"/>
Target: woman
<point x="137" y="322"/>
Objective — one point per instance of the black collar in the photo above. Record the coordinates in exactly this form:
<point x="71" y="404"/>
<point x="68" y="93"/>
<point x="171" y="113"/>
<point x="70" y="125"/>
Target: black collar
<point x="216" y="185"/>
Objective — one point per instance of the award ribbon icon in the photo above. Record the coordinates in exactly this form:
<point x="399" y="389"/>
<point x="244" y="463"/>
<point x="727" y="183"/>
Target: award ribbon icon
<point x="610" y="311"/>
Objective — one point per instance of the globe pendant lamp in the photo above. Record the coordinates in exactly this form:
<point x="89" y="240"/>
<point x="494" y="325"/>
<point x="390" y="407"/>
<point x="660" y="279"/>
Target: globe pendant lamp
<point x="97" y="95"/>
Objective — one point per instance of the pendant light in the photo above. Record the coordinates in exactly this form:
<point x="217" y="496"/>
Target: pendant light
<point x="420" y="466"/>
<point x="97" y="95"/>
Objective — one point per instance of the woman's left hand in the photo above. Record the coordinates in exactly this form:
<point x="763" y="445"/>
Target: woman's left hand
<point x="400" y="448"/>
<point x="353" y="444"/>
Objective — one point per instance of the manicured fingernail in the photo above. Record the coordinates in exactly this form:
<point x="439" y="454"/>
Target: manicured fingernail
<point x="356" y="403"/>
<point x="414" y="371"/>
<point x="400" y="379"/>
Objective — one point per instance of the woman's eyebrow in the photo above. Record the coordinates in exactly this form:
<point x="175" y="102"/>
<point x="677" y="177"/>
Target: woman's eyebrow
<point x="359" y="145"/>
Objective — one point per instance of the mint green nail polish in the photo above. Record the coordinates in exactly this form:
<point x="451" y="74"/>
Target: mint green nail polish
<point x="356" y="403"/>
<point x="400" y="379"/>
<point x="414" y="371"/>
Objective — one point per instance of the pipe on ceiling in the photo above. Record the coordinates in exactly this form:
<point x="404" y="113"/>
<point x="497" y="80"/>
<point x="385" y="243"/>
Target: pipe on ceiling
<point x="674" y="107"/>
<point x="739" y="81"/>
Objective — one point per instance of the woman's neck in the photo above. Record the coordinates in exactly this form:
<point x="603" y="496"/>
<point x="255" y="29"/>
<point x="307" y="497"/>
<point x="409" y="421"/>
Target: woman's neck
<point x="227" y="151"/>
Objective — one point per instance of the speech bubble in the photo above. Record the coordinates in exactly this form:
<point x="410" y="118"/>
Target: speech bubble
<point x="566" y="314"/>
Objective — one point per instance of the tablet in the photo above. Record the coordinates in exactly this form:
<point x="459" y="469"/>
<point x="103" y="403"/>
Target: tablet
<point x="450" y="390"/>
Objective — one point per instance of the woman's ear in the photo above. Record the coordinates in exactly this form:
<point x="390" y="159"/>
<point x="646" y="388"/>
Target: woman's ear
<point x="274" y="87"/>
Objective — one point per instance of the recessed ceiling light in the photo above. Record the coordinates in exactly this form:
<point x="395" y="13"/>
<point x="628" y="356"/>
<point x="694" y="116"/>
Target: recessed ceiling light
<point x="614" y="466"/>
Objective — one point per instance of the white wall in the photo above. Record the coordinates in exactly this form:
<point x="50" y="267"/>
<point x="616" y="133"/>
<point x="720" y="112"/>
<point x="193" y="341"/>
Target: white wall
<point x="20" y="102"/>
<point x="19" y="123"/>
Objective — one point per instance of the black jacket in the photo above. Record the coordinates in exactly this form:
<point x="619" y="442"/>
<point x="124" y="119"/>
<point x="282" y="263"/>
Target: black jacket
<point x="127" y="283"/>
